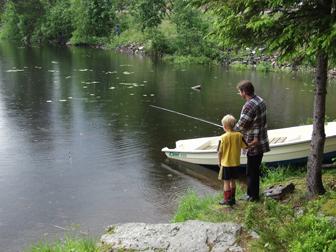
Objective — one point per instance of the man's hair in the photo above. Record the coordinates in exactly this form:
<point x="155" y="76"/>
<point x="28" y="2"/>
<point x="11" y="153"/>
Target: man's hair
<point x="246" y="86"/>
<point x="229" y="121"/>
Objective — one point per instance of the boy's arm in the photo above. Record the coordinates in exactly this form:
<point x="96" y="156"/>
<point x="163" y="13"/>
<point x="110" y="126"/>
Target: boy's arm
<point x="219" y="151"/>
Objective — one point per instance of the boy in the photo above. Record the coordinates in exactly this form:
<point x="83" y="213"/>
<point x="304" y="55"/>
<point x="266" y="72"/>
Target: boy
<point x="229" y="147"/>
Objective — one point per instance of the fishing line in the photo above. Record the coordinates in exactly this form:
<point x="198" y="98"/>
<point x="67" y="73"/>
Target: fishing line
<point x="192" y="117"/>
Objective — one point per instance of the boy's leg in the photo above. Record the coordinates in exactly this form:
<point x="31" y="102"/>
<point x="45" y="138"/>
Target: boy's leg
<point x="226" y="193"/>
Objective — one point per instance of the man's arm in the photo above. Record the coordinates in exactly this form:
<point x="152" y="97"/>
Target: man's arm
<point x="246" y="119"/>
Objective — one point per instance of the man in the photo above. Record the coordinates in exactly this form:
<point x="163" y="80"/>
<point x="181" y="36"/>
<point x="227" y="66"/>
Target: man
<point x="252" y="123"/>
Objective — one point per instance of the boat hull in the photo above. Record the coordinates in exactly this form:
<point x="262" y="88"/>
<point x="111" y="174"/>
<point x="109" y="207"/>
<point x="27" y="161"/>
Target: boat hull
<point x="281" y="153"/>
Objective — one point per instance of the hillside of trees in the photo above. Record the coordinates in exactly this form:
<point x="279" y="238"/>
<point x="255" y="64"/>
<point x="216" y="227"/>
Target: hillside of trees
<point x="161" y="27"/>
<point x="171" y="29"/>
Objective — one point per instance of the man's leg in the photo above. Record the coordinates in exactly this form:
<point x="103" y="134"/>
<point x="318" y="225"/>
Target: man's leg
<point x="253" y="175"/>
<point x="233" y="191"/>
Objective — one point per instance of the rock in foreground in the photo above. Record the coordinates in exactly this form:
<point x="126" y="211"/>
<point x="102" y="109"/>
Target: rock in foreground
<point x="187" y="236"/>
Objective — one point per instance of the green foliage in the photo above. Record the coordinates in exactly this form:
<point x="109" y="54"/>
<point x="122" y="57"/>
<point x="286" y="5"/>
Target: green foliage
<point x="239" y="66"/>
<point x="182" y="60"/>
<point x="30" y="15"/>
<point x="279" y="174"/>
<point x="322" y="236"/>
<point x="192" y="207"/>
<point x="21" y="20"/>
<point x="190" y="29"/>
<point x="281" y="229"/>
<point x="129" y="36"/>
<point x="58" y="23"/>
<point x="294" y="224"/>
<point x="269" y="221"/>
<point x="294" y="29"/>
<point x="9" y="21"/>
<point x="150" y="12"/>
<point x="157" y="43"/>
<point x="69" y="244"/>
<point x="264" y="67"/>
<point x="93" y="20"/>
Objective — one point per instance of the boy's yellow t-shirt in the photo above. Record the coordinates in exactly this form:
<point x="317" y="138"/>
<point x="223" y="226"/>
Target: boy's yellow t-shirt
<point x="231" y="144"/>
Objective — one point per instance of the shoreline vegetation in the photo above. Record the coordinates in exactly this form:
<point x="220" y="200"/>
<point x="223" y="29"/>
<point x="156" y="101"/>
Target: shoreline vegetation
<point x="290" y="224"/>
<point x="175" y="32"/>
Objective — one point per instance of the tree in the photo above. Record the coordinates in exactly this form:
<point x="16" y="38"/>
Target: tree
<point x="297" y="30"/>
<point x="150" y="12"/>
<point x="92" y="19"/>
<point x="57" y="25"/>
<point x="190" y="27"/>
<point x="28" y="14"/>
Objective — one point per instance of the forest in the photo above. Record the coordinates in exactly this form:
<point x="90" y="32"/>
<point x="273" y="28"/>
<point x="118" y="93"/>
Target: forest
<point x="161" y="27"/>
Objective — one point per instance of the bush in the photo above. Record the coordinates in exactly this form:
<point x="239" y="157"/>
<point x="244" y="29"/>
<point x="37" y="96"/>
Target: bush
<point x="264" y="67"/>
<point x="157" y="43"/>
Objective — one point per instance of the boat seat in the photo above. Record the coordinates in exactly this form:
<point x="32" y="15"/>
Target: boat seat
<point x="276" y="140"/>
<point x="210" y="147"/>
<point x="207" y="146"/>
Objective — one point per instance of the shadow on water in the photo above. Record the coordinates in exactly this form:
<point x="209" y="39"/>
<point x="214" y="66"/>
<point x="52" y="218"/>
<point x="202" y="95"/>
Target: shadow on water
<point x="205" y="174"/>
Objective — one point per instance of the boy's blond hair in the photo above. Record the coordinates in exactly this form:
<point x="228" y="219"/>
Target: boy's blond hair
<point x="229" y="121"/>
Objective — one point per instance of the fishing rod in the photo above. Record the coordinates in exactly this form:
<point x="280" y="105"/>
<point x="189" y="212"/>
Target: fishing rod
<point x="192" y="117"/>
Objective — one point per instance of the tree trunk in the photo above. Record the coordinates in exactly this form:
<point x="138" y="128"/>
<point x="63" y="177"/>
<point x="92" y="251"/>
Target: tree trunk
<point x="314" y="165"/>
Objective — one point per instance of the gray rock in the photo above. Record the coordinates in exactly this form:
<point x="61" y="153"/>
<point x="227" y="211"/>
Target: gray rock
<point x="187" y="236"/>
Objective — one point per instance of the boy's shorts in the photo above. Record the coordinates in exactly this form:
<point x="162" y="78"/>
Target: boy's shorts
<point x="228" y="173"/>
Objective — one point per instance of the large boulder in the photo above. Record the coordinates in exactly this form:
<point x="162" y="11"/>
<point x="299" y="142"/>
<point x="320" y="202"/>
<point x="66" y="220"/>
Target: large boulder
<point x="187" y="236"/>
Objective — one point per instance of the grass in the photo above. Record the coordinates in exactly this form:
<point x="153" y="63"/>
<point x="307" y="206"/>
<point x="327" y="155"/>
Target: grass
<point x="187" y="59"/>
<point x="69" y="244"/>
<point x="129" y="36"/>
<point x="292" y="224"/>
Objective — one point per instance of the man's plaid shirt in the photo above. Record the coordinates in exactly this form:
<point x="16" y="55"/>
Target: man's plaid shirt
<point x="252" y="123"/>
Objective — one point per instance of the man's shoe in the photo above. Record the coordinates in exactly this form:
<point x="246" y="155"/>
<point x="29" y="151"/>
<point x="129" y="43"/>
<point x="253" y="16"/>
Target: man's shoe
<point x="249" y="198"/>
<point x="245" y="197"/>
<point x="253" y="199"/>
<point x="224" y="203"/>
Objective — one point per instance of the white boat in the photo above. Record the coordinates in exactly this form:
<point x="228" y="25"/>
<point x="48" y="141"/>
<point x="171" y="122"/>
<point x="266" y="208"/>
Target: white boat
<point x="288" y="146"/>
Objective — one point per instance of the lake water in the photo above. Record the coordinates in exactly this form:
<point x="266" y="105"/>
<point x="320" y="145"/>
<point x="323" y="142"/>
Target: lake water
<point x="80" y="144"/>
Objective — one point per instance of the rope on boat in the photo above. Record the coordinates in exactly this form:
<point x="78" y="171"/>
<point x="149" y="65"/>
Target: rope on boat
<point x="192" y="117"/>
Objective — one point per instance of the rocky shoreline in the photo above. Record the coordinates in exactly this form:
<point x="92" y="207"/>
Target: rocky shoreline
<point x="249" y="58"/>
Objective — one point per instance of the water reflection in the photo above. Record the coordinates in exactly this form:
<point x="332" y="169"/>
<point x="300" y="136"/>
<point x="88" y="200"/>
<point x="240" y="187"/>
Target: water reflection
<point x="79" y="143"/>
